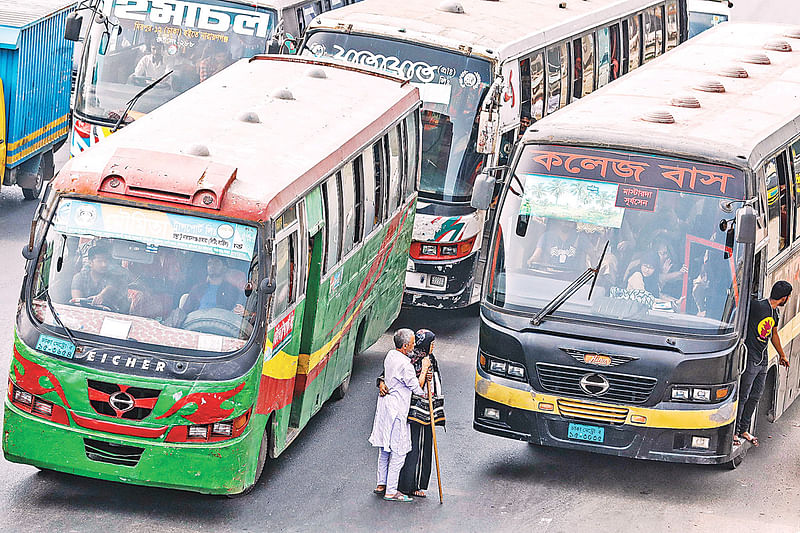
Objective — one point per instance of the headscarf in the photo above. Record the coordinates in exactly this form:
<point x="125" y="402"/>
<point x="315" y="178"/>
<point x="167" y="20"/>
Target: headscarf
<point x="423" y="339"/>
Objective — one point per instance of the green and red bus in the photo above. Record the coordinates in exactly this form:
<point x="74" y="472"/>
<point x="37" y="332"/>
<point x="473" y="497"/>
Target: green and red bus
<point x="197" y="285"/>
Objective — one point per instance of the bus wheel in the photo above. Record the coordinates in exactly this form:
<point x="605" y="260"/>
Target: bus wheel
<point x="340" y="391"/>
<point x="33" y="192"/>
<point x="262" y="460"/>
<point x="735" y="462"/>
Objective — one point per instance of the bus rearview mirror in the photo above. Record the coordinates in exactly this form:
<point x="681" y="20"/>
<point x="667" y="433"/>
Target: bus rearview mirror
<point x="103" y="46"/>
<point x="267" y="286"/>
<point x="72" y="27"/>
<point x="746" y="220"/>
<point x="482" y="192"/>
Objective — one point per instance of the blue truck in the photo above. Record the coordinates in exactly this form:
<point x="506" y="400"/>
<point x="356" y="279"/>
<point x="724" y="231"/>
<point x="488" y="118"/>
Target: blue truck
<point x="35" y="68"/>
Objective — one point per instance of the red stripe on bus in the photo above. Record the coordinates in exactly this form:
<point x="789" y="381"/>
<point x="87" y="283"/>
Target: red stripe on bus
<point x="118" y="429"/>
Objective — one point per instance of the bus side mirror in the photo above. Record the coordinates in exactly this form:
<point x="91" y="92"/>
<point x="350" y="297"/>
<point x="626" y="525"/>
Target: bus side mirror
<point x="72" y="27"/>
<point x="483" y="191"/>
<point x="746" y="220"/>
<point x="103" y="46"/>
<point x="290" y="43"/>
<point x="267" y="286"/>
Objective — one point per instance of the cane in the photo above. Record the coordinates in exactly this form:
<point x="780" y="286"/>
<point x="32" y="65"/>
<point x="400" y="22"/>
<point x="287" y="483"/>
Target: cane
<point x="435" y="448"/>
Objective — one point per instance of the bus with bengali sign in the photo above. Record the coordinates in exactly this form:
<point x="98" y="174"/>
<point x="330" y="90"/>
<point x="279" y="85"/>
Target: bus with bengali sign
<point x="182" y="318"/>
<point x="486" y="71"/>
<point x="129" y="45"/>
<point x="633" y="233"/>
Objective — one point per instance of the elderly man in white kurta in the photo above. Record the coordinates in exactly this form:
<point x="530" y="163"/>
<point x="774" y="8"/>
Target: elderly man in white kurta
<point x="390" y="431"/>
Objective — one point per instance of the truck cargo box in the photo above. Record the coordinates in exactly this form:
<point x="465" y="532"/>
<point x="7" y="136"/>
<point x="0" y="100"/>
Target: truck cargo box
<point x="35" y="66"/>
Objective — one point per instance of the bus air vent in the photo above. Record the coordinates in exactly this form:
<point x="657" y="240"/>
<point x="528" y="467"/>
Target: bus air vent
<point x="659" y="116"/>
<point x="756" y="59"/>
<point x="792" y="33"/>
<point x="685" y="100"/>
<point x="112" y="453"/>
<point x="162" y="177"/>
<point x="710" y="86"/>
<point x="251" y="117"/>
<point x="200" y="150"/>
<point x="778" y="45"/>
<point x="283" y="94"/>
<point x="450" y="7"/>
<point x="733" y="71"/>
<point x="317" y="73"/>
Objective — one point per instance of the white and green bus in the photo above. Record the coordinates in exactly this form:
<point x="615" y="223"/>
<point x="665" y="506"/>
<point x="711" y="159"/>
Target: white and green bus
<point x="486" y="71"/>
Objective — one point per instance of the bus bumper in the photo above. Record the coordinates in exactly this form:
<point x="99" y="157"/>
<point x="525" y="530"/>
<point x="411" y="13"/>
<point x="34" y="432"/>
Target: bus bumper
<point x="226" y="467"/>
<point x="458" y="277"/>
<point x="515" y="413"/>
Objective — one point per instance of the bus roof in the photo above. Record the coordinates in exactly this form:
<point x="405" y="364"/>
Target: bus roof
<point x="752" y="118"/>
<point x="495" y="29"/>
<point x="256" y="136"/>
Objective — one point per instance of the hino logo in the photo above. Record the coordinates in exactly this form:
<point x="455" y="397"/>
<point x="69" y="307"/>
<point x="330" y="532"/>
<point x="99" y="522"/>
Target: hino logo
<point x="594" y="384"/>
<point x="121" y="401"/>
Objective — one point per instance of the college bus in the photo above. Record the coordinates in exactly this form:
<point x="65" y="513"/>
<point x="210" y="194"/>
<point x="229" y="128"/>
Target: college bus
<point x="633" y="230"/>
<point x="118" y="80"/>
<point x="486" y="70"/>
<point x="199" y="283"/>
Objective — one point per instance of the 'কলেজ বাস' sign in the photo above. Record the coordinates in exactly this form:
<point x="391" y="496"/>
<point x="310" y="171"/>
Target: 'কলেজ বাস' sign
<point x="634" y="169"/>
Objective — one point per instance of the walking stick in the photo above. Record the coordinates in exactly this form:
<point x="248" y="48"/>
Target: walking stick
<point x="435" y="447"/>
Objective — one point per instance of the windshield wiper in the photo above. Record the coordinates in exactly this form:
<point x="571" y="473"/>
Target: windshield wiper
<point x="572" y="288"/>
<point x="58" y="319"/>
<point x="136" y="97"/>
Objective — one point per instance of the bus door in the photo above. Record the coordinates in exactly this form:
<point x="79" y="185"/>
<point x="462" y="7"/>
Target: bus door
<point x="305" y="392"/>
<point x="781" y="232"/>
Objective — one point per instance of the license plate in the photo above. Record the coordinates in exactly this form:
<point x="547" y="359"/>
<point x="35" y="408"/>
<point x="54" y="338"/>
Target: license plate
<point x="438" y="281"/>
<point x="52" y="345"/>
<point x="587" y="433"/>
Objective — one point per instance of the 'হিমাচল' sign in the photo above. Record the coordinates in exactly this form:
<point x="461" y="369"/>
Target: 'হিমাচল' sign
<point x="634" y="169"/>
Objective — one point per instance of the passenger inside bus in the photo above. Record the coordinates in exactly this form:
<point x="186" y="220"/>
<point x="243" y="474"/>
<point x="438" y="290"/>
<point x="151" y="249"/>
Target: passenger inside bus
<point x="150" y="67"/>
<point x="216" y="291"/>
<point x="101" y="283"/>
<point x="560" y="246"/>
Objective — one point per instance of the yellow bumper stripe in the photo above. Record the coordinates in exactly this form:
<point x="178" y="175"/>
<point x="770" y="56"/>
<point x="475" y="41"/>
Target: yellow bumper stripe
<point x="656" y="418"/>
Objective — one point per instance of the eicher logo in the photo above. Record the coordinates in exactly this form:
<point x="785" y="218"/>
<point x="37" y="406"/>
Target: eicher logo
<point x="195" y="15"/>
<point x="125" y="361"/>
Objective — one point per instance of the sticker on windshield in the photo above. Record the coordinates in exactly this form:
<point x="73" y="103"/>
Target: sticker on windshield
<point x="156" y="228"/>
<point x="469" y="79"/>
<point x="592" y="202"/>
<point x="641" y="198"/>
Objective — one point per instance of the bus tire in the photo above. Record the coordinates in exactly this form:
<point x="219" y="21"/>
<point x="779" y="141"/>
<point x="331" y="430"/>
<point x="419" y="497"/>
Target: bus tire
<point x="734" y="463"/>
<point x="341" y="391"/>
<point x="263" y="451"/>
<point x="32" y="193"/>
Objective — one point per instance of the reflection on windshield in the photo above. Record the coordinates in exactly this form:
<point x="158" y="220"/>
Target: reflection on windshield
<point x="451" y="85"/>
<point x="668" y="264"/>
<point x="144" y="290"/>
<point x="195" y="40"/>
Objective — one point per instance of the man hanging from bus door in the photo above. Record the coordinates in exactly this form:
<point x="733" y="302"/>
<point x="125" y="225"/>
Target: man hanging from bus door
<point x="762" y="322"/>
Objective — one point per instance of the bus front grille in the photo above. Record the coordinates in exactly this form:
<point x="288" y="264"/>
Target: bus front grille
<point x="115" y="454"/>
<point x="622" y="388"/>
<point x="595" y="413"/>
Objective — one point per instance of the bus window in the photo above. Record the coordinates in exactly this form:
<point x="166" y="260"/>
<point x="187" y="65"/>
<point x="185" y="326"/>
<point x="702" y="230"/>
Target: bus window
<point x="358" y="200"/>
<point x="524" y="94"/>
<point x="634" y="42"/>
<point x="794" y="153"/>
<point x="625" y="48"/>
<point x="658" y="23"/>
<point x="672" y="24"/>
<point x="564" y="74"/>
<point x="378" y="172"/>
<point x="537" y="85"/>
<point x="653" y="33"/>
<point x="413" y="153"/>
<point x="587" y="44"/>
<point x="778" y="201"/>
<point x="285" y="270"/>
<point x="330" y="206"/>
<point x="554" y="78"/>
<point x="395" y="168"/>
<point x="577" y="70"/>
<point x="371" y="218"/>
<point x="348" y="198"/>
<point x="603" y="57"/>
<point x="614" y="58"/>
<point x="301" y="20"/>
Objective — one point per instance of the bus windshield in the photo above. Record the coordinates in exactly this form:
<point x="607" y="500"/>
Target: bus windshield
<point x="668" y="265"/>
<point x="452" y="86"/>
<point x="136" y="42"/>
<point x="131" y="275"/>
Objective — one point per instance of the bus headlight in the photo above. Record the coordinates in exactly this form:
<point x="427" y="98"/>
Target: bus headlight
<point x="501" y="367"/>
<point x="700" y="394"/>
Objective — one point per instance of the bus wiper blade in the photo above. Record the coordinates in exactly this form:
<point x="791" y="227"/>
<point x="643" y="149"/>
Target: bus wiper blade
<point x="572" y="288"/>
<point x="58" y="319"/>
<point x="136" y="97"/>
